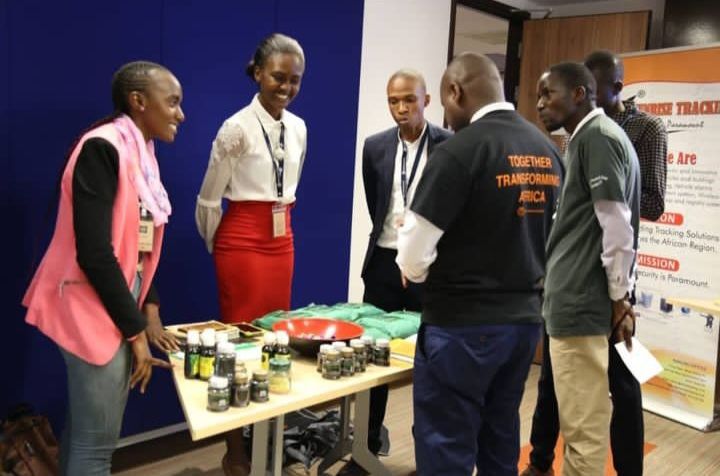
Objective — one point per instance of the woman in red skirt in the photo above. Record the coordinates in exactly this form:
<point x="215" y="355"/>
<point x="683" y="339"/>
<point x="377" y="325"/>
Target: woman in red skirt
<point x="255" y="164"/>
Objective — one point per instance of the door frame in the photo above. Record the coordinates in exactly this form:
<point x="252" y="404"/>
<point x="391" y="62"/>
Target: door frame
<point x="515" y="18"/>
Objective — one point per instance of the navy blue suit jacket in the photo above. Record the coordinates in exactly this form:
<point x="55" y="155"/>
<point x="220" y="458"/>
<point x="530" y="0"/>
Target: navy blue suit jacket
<point x="378" y="163"/>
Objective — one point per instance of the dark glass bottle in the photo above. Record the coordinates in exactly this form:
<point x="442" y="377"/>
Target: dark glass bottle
<point x="192" y="354"/>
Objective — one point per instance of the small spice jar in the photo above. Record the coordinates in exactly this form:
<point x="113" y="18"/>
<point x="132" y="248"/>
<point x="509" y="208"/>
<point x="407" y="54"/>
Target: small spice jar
<point x="321" y="355"/>
<point x="225" y="360"/>
<point x="280" y="380"/>
<point x="348" y="362"/>
<point x="369" y="342"/>
<point x="218" y="394"/>
<point x="382" y="352"/>
<point x="360" y="358"/>
<point x="259" y="388"/>
<point x="331" y="365"/>
<point x="241" y="389"/>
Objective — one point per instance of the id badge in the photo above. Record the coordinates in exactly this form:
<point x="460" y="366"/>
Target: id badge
<point x="146" y="232"/>
<point x="278" y="215"/>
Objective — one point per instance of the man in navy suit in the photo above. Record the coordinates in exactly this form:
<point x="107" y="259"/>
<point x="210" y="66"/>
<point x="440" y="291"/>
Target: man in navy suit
<point x="393" y="161"/>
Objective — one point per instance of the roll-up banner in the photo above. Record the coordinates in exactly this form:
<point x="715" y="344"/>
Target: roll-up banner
<point x="678" y="256"/>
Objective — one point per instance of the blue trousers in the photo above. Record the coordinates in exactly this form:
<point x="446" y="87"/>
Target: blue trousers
<point x="467" y="386"/>
<point x="96" y="402"/>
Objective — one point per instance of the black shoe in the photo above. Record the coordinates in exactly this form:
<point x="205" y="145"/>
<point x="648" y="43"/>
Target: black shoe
<point x="351" y="468"/>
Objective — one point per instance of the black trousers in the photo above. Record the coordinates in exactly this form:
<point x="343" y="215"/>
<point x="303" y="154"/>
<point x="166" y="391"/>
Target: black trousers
<point x="383" y="289"/>
<point x="627" y="430"/>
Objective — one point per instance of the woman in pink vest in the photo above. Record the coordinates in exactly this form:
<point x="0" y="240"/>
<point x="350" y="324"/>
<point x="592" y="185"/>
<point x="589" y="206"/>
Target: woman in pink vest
<point x="92" y="293"/>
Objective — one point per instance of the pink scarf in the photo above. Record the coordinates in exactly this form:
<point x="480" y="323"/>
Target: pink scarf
<point x="145" y="173"/>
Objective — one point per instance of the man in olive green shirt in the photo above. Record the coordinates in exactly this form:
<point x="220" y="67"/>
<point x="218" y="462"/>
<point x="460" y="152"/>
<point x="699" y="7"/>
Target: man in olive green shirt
<point x="590" y="261"/>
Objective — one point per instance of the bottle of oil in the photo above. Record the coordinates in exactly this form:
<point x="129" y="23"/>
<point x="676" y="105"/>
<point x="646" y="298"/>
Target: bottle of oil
<point x="282" y="351"/>
<point x="207" y="354"/>
<point x="192" y="354"/>
<point x="268" y="350"/>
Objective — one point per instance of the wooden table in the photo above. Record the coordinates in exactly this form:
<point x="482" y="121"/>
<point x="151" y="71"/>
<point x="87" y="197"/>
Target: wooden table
<point x="308" y="389"/>
<point x="701" y="305"/>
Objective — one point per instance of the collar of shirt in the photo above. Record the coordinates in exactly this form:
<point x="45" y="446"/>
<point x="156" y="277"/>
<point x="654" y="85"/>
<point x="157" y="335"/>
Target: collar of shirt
<point x="630" y="110"/>
<point x="598" y="111"/>
<point x="262" y="113"/>
<point x="492" y="107"/>
<point x="416" y="141"/>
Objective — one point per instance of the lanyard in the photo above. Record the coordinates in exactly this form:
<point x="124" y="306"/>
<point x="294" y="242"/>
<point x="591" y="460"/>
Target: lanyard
<point x="277" y="156"/>
<point x="404" y="182"/>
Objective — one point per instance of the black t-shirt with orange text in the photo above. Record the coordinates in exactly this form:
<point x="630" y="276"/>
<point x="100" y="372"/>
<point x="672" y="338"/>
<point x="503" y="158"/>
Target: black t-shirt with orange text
<point x="492" y="188"/>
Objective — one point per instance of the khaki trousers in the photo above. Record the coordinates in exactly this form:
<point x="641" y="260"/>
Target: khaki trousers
<point x="580" y="366"/>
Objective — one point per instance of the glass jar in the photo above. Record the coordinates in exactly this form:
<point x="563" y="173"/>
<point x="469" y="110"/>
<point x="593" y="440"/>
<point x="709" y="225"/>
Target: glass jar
<point x="331" y="365"/>
<point x="382" y="352"/>
<point x="218" y="394"/>
<point x="360" y="358"/>
<point x="259" y="388"/>
<point x="225" y="360"/>
<point x="321" y="355"/>
<point x="280" y="380"/>
<point x="369" y="342"/>
<point x="348" y="362"/>
<point x="241" y="389"/>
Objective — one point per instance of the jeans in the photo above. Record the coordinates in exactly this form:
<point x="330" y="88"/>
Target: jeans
<point x="468" y="384"/>
<point x="96" y="402"/>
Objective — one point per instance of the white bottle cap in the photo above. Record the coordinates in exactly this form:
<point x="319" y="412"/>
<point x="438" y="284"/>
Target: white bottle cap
<point x="226" y="348"/>
<point x="382" y="343"/>
<point x="208" y="337"/>
<point x="339" y="344"/>
<point x="193" y="337"/>
<point x="269" y="338"/>
<point x="367" y="339"/>
<point x="325" y="347"/>
<point x="218" y="382"/>
<point x="283" y="338"/>
<point x="356" y="342"/>
<point x="221" y="337"/>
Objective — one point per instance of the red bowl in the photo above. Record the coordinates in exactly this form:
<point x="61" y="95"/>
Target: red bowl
<point x="308" y="333"/>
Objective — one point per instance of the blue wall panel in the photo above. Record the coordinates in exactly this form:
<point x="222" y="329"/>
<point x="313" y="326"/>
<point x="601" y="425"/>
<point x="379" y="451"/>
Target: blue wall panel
<point x="331" y="37"/>
<point x="60" y="58"/>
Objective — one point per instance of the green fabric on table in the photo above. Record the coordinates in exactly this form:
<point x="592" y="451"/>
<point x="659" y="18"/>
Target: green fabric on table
<point x="375" y="322"/>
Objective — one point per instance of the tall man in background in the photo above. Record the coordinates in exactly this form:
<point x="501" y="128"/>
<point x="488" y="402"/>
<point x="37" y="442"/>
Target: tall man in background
<point x="649" y="138"/>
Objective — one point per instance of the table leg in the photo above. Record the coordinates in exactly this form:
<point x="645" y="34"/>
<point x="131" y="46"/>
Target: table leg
<point x="259" y="448"/>
<point x="277" y="445"/>
<point x="343" y="445"/>
<point x="360" y="452"/>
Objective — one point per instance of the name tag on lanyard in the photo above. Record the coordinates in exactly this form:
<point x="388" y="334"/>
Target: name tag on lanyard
<point x="146" y="233"/>
<point x="277" y="156"/>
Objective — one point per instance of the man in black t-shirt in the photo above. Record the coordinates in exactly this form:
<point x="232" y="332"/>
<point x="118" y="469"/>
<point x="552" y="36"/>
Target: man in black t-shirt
<point x="475" y="233"/>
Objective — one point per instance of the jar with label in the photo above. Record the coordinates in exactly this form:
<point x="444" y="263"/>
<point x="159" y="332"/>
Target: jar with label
<point x="268" y="350"/>
<point x="218" y="394"/>
<point x="282" y="350"/>
<point x="382" y="352"/>
<point x="360" y="359"/>
<point x="207" y="354"/>
<point x="241" y="389"/>
<point x="192" y="354"/>
<point x="331" y="365"/>
<point x="348" y="362"/>
<point x="225" y="360"/>
<point x="321" y="355"/>
<point x="280" y="379"/>
<point x="369" y="342"/>
<point x="259" y="388"/>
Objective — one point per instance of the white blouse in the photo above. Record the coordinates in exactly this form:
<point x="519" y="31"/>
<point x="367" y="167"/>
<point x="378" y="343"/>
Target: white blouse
<point x="241" y="168"/>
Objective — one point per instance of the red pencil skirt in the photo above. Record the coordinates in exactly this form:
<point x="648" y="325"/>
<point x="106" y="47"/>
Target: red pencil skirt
<point x="254" y="270"/>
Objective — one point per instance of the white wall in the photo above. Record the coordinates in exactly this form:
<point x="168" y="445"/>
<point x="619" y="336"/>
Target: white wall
<point x="396" y="34"/>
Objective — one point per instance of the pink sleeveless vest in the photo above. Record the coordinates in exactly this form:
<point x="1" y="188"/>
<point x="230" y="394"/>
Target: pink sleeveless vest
<point x="61" y="302"/>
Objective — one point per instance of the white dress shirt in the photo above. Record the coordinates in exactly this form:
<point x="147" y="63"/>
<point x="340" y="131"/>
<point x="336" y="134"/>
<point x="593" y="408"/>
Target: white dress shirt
<point x="418" y="238"/>
<point x="241" y="167"/>
<point x="396" y="207"/>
